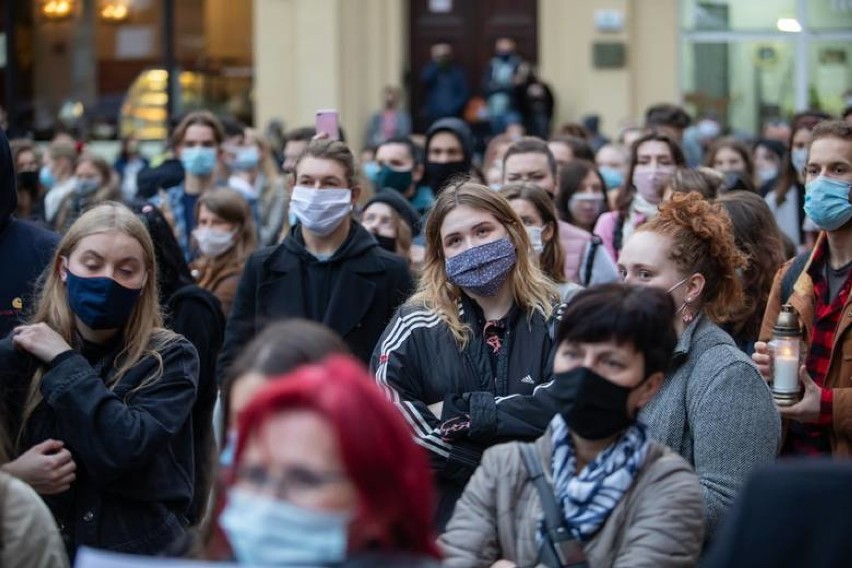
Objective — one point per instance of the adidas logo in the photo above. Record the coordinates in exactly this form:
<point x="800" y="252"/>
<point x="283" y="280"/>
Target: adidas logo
<point x="528" y="380"/>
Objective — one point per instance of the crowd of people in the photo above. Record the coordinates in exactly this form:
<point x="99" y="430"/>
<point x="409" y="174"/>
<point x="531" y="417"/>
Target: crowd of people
<point x="556" y="352"/>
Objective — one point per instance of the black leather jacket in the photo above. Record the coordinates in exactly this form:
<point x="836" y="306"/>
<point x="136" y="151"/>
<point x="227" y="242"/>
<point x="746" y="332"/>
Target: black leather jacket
<point x="133" y="449"/>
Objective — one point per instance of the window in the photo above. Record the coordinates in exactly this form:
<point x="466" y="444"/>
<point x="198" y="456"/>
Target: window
<point x="748" y="61"/>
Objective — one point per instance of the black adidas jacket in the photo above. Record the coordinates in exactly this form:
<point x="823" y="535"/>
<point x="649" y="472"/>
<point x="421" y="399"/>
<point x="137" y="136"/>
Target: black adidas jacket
<point x="417" y="362"/>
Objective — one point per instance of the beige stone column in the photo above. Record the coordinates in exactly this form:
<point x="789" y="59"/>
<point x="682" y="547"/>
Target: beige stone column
<point x="313" y="54"/>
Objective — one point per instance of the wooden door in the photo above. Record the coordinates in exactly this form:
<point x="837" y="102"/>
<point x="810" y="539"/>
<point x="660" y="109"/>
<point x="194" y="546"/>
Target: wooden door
<point x="471" y="27"/>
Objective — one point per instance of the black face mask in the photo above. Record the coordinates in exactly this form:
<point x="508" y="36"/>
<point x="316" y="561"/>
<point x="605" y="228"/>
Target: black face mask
<point x="439" y="174"/>
<point x="387" y="243"/>
<point x="600" y="408"/>
<point x="28" y="181"/>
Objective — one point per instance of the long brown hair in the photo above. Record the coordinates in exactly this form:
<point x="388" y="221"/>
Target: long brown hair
<point x="625" y="194"/>
<point x="233" y="208"/>
<point x="531" y="289"/>
<point x="703" y="243"/>
<point x="108" y="191"/>
<point x="737" y="146"/>
<point x="789" y="176"/>
<point x="757" y="235"/>
<point x="570" y="179"/>
<point x="270" y="169"/>
<point x="143" y="335"/>
<point x="552" y="259"/>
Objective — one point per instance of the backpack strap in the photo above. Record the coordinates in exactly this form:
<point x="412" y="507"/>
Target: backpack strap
<point x="590" y="259"/>
<point x="559" y="548"/>
<point x="788" y="281"/>
<point x="618" y="232"/>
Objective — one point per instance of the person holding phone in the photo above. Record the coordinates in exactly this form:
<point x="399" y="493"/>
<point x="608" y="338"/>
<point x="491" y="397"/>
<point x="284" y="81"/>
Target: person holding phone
<point x="328" y="269"/>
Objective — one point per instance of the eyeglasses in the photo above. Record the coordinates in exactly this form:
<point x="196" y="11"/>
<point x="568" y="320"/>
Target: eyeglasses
<point x="289" y="481"/>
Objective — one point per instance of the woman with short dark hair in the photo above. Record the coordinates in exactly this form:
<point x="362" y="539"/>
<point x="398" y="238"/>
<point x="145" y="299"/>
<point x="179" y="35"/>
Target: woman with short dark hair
<point x="624" y="499"/>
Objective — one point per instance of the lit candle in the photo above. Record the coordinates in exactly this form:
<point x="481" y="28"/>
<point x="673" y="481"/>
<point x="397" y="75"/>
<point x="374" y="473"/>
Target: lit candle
<point x="786" y="337"/>
<point x="786" y="376"/>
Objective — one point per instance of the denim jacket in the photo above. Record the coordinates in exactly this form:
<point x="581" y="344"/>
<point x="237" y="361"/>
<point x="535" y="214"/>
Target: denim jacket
<point x="133" y="448"/>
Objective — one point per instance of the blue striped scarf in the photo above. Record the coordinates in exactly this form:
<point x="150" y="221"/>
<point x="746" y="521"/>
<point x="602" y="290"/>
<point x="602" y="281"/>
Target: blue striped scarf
<point x="588" y="498"/>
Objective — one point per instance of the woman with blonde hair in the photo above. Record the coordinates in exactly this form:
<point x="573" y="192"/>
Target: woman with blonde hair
<point x="462" y="357"/>
<point x="226" y="237"/>
<point x="95" y="372"/>
<point x="95" y="183"/>
<point x="257" y="177"/>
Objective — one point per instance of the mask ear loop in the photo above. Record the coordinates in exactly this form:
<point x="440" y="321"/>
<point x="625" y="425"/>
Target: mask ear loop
<point x="688" y="315"/>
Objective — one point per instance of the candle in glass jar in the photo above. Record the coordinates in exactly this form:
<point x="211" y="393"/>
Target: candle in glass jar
<point x="786" y="376"/>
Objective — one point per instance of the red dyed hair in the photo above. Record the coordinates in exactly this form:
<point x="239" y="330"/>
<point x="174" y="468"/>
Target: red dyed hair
<point x="389" y="471"/>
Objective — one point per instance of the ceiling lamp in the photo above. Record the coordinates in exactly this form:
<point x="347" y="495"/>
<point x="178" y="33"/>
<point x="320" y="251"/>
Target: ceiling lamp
<point x="57" y="10"/>
<point x="114" y="11"/>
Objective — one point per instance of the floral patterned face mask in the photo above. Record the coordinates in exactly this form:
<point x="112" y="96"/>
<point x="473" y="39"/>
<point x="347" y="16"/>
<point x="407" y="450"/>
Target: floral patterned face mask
<point x="482" y="270"/>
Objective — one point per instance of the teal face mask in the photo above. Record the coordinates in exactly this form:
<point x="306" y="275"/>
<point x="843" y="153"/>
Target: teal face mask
<point x="198" y="160"/>
<point x="264" y="531"/>
<point x="399" y="180"/>
<point x="827" y="202"/>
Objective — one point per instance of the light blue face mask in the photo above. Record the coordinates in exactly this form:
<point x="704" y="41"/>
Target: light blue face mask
<point x="371" y="171"/>
<point x="612" y="177"/>
<point x="799" y="159"/>
<point x="87" y="186"/>
<point x="226" y="457"/>
<point x="198" y="160"/>
<point x="46" y="178"/>
<point x="265" y="531"/>
<point x="827" y="202"/>
<point x="246" y="159"/>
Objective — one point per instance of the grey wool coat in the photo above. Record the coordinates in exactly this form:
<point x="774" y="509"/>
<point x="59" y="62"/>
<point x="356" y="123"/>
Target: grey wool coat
<point x="716" y="411"/>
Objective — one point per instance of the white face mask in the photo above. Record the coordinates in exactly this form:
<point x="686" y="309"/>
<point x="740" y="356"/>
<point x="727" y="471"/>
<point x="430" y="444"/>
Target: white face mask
<point x="535" y="238"/>
<point x="767" y="174"/>
<point x="320" y="210"/>
<point x="213" y="242"/>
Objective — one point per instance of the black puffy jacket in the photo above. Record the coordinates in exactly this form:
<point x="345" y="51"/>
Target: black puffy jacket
<point x="418" y="363"/>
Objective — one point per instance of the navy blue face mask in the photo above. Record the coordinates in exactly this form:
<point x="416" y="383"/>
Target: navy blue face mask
<point x="101" y="302"/>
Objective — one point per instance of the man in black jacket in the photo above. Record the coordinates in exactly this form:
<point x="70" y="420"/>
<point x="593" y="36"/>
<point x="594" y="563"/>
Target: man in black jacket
<point x="25" y="249"/>
<point x="329" y="268"/>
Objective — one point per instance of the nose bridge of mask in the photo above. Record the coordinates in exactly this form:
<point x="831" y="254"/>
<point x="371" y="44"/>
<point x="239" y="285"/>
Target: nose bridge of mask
<point x="587" y="197"/>
<point x="319" y="196"/>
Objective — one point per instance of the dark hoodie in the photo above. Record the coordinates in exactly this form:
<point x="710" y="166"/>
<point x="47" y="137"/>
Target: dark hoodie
<point x="354" y="293"/>
<point x="438" y="174"/>
<point x="25" y="249"/>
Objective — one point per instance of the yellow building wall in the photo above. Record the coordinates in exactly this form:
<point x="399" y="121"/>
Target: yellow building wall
<point x="566" y="35"/>
<point x="312" y="54"/>
<point x="315" y="54"/>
